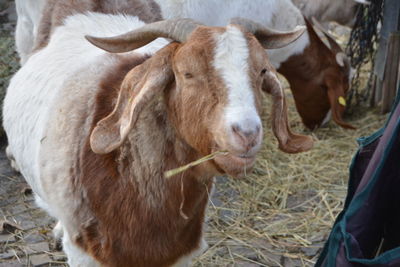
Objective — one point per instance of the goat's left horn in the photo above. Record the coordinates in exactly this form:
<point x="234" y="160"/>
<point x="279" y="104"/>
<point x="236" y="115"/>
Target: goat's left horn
<point x="334" y="46"/>
<point x="175" y="29"/>
<point x="269" y="39"/>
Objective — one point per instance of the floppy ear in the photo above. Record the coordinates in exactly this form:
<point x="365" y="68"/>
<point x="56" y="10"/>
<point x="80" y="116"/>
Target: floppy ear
<point x="337" y="100"/>
<point x="139" y="87"/>
<point x="288" y="141"/>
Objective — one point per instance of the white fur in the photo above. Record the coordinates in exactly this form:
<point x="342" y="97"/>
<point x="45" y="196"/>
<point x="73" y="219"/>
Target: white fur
<point x="58" y="231"/>
<point x="325" y="11"/>
<point x="76" y="256"/>
<point x="275" y="14"/>
<point x="327" y="118"/>
<point x="187" y="259"/>
<point x="231" y="61"/>
<point x="29" y="13"/>
<point x="46" y="86"/>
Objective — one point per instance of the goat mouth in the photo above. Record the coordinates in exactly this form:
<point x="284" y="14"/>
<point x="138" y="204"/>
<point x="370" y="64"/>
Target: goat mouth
<point x="235" y="164"/>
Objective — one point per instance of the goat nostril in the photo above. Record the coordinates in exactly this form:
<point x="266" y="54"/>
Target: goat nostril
<point x="248" y="137"/>
<point x="236" y="128"/>
<point x="248" y="134"/>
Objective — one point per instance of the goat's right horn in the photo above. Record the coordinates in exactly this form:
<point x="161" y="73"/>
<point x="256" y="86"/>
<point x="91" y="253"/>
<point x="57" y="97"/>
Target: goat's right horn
<point x="333" y="45"/>
<point x="268" y="38"/>
<point x="175" y="29"/>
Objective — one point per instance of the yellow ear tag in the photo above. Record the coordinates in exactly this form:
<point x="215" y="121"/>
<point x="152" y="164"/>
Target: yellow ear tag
<point x="342" y="101"/>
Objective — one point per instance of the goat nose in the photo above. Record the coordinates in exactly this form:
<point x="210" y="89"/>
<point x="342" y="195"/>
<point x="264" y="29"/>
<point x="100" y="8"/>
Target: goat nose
<point x="248" y="136"/>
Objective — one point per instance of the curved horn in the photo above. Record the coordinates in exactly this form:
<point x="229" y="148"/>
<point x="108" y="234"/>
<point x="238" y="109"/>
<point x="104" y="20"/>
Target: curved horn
<point x="335" y="47"/>
<point x="269" y="38"/>
<point x="341" y="57"/>
<point x="175" y="29"/>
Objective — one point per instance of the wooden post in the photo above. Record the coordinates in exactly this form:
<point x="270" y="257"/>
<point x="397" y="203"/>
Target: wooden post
<point x="391" y="72"/>
<point x="398" y="81"/>
<point x="374" y="85"/>
<point x="378" y="91"/>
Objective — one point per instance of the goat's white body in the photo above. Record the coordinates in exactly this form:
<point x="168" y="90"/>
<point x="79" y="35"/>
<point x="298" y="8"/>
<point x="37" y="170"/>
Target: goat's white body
<point x="39" y="136"/>
<point x="29" y="13"/>
<point x="325" y="11"/>
<point x="275" y="14"/>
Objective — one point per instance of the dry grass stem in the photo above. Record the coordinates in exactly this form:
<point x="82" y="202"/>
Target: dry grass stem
<point x="211" y="156"/>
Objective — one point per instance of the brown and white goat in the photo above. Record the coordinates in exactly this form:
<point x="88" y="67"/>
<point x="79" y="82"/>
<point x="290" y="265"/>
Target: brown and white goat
<point x="93" y="132"/>
<point x="319" y="79"/>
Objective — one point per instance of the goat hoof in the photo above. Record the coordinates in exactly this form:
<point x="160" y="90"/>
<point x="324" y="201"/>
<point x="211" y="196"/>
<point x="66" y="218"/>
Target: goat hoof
<point x="10" y="156"/>
<point x="14" y="166"/>
<point x="58" y="233"/>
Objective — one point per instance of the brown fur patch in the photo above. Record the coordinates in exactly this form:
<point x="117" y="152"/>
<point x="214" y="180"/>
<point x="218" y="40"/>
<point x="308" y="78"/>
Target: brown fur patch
<point x="187" y="103"/>
<point x="136" y="217"/>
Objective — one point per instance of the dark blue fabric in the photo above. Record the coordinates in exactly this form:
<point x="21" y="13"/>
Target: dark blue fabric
<point x="370" y="220"/>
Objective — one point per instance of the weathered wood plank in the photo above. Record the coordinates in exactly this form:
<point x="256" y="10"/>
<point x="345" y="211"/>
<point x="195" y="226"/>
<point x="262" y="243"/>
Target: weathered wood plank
<point x="391" y="72"/>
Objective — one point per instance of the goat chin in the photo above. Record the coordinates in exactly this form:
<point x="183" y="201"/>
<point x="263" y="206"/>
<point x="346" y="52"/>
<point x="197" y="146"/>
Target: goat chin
<point x="235" y="166"/>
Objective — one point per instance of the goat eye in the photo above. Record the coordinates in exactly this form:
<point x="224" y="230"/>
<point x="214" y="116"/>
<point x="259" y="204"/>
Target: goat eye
<point x="263" y="71"/>
<point x="188" y="75"/>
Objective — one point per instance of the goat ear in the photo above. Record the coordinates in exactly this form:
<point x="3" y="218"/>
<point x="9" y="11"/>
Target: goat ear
<point x="288" y="141"/>
<point x="337" y="101"/>
<point x="139" y="87"/>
